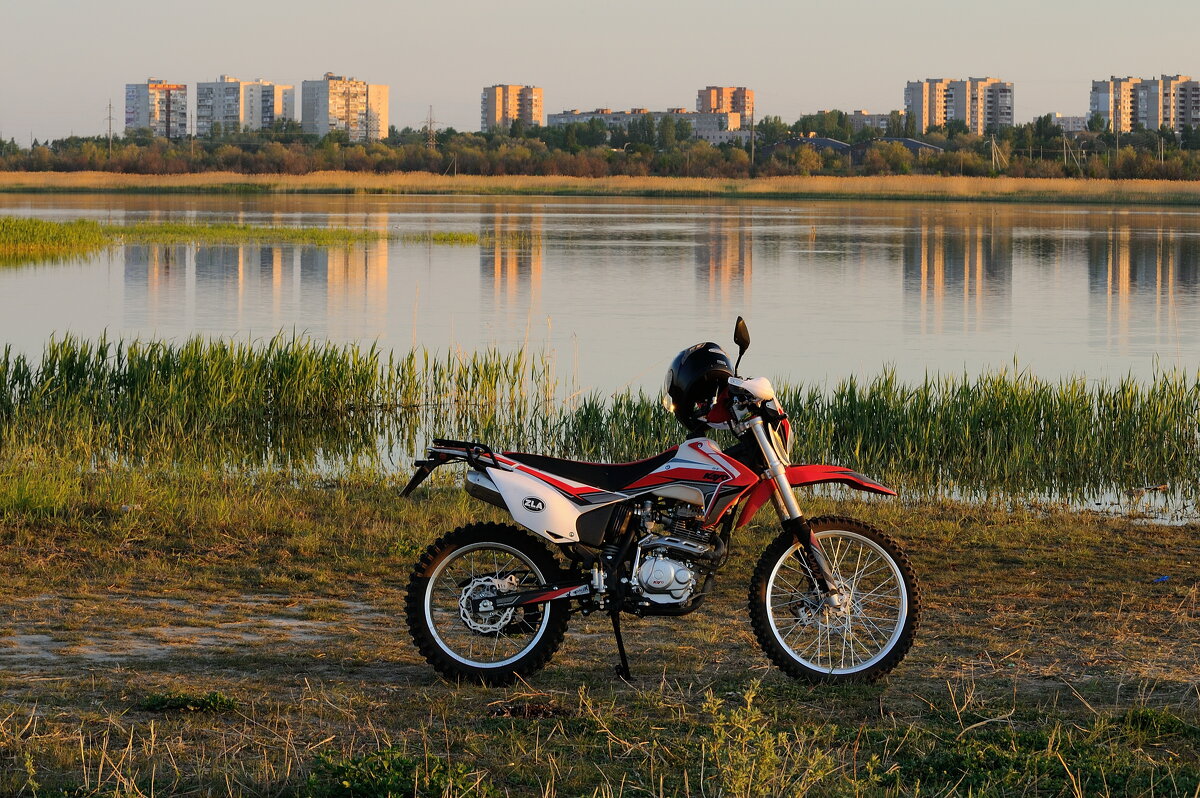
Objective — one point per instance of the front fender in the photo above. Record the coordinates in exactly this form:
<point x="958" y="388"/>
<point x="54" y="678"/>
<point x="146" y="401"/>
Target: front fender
<point x="799" y="475"/>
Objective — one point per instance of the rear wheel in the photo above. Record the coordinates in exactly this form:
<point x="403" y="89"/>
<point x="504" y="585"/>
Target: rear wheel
<point x="808" y="637"/>
<point x="455" y="636"/>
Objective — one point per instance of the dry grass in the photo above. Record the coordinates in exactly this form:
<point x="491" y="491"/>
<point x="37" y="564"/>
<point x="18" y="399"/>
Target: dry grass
<point x="883" y="187"/>
<point x="1047" y="649"/>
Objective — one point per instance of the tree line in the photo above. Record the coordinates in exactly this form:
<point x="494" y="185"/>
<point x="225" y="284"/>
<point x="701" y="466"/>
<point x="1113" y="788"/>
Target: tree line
<point x="646" y="147"/>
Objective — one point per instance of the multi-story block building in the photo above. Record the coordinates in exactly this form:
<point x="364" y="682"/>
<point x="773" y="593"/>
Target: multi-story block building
<point x="980" y="103"/>
<point x="236" y="104"/>
<point x="340" y="103"/>
<point x="861" y="119"/>
<point x="726" y="100"/>
<point x="503" y="104"/>
<point x="715" y="128"/>
<point x="1115" y="100"/>
<point x="1187" y="104"/>
<point x="1155" y="101"/>
<point x="1070" y="124"/>
<point x="158" y="105"/>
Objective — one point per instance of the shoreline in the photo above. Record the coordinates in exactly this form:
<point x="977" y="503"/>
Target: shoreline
<point x="927" y="188"/>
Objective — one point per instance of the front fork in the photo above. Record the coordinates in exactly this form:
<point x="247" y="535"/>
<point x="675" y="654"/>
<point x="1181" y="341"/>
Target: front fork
<point x="792" y="517"/>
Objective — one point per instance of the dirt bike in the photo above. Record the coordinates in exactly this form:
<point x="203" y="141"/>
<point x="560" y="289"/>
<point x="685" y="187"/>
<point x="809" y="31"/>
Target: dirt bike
<point x="832" y="599"/>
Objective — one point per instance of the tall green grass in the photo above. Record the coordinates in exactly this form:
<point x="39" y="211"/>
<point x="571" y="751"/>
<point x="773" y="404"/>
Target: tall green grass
<point x="301" y="404"/>
<point x="24" y="241"/>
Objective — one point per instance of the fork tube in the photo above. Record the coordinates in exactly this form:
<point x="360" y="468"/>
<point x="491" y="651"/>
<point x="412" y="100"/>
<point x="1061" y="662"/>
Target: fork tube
<point x="791" y="514"/>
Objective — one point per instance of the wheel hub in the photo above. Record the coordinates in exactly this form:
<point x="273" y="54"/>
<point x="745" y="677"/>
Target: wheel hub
<point x="486" y="619"/>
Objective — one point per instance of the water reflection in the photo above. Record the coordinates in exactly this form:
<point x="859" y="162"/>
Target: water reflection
<point x="923" y="286"/>
<point x="724" y="253"/>
<point x="957" y="277"/>
<point x="1136" y="279"/>
<point x="510" y="257"/>
<point x="257" y="287"/>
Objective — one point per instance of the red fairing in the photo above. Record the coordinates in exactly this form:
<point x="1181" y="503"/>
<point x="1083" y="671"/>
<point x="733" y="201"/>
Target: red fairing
<point x="800" y="475"/>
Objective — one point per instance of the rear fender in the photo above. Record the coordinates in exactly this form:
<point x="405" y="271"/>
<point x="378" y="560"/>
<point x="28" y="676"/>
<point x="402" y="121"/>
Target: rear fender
<point x="800" y="475"/>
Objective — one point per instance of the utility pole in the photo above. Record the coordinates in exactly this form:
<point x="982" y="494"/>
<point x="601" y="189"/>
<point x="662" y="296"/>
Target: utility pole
<point x="110" y="128"/>
<point x="430" y="134"/>
<point x="751" y="140"/>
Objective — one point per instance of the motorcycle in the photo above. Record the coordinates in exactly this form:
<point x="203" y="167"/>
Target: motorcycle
<point x="831" y="600"/>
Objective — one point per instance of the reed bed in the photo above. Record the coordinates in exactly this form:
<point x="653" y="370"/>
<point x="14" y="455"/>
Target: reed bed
<point x="888" y="187"/>
<point x="297" y="404"/>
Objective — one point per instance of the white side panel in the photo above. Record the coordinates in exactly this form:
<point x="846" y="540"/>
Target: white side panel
<point x="522" y="493"/>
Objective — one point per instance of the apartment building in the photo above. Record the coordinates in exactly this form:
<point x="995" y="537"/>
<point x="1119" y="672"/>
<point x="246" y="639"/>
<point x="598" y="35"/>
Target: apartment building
<point x="715" y="128"/>
<point x="1070" y="124"/>
<point x="726" y="100"/>
<point x="980" y="103"/>
<point x="158" y="105"/>
<point x="1115" y="100"/>
<point x="503" y="104"/>
<point x="862" y="119"/>
<point x="336" y="102"/>
<point x="236" y="104"/>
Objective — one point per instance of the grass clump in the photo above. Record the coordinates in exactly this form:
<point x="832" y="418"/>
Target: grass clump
<point x="212" y="701"/>
<point x="24" y="241"/>
<point x="223" y="233"/>
<point x="389" y="773"/>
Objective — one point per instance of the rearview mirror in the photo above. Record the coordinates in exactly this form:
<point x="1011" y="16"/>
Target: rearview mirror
<point x="741" y="335"/>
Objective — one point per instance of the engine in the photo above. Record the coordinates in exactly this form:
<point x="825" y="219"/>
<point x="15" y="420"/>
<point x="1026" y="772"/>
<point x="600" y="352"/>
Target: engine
<point x="671" y="560"/>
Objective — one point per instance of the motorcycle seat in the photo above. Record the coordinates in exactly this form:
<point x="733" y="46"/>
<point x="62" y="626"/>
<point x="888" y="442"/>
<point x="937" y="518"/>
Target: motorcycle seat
<point x="606" y="476"/>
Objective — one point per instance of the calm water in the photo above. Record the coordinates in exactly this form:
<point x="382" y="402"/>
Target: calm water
<point x="615" y="287"/>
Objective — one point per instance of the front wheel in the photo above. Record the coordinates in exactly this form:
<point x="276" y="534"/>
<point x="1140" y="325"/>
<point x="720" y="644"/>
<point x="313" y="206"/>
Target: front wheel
<point x="459" y="639"/>
<point x="810" y="637"/>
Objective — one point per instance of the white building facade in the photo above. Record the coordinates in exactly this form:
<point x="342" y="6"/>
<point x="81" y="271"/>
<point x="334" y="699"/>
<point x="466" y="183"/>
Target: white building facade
<point x="160" y="106"/>
<point x="340" y="103"/>
<point x="236" y="104"/>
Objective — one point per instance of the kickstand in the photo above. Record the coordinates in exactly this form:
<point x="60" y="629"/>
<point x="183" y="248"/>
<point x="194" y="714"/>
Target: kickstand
<point x="623" y="667"/>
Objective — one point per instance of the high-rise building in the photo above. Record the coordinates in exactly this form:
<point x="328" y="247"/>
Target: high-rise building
<point x="726" y="100"/>
<point x="235" y="104"/>
<point x="340" y="103"/>
<point x="160" y="106"/>
<point x="980" y="103"/>
<point x="503" y="104"/>
<point x="1115" y="100"/>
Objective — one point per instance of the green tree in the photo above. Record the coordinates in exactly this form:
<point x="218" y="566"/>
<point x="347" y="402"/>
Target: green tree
<point x="771" y="130"/>
<point x="1097" y="123"/>
<point x="666" y="133"/>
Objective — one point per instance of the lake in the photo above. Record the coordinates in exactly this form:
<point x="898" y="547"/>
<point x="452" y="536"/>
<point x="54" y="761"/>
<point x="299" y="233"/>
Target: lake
<point x="615" y="287"/>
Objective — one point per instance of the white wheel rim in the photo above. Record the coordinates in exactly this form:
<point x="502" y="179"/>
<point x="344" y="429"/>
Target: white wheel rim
<point x="835" y="641"/>
<point x="447" y="627"/>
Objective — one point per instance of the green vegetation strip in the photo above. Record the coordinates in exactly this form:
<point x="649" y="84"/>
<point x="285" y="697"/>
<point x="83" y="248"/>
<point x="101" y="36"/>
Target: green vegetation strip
<point x="300" y="404"/>
<point x="24" y="241"/>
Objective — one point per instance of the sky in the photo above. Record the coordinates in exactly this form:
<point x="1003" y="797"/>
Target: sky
<point x="62" y="62"/>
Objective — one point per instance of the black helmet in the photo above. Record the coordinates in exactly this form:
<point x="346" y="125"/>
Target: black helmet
<point x="693" y="379"/>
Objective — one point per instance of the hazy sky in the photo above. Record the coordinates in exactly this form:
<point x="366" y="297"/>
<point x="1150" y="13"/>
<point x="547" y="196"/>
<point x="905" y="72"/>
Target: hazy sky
<point x="61" y="62"/>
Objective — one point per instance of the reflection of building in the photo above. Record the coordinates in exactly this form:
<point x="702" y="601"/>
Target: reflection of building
<point x="959" y="274"/>
<point x="510" y="256"/>
<point x="345" y="286"/>
<point x="155" y="282"/>
<point x="336" y="292"/>
<point x="1139" y="274"/>
<point x="725" y="259"/>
